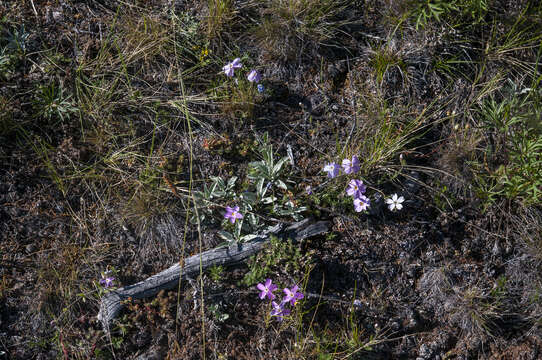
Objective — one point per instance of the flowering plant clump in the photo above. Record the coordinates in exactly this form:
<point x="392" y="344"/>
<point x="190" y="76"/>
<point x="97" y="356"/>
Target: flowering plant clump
<point x="232" y="214"/>
<point x="395" y="203"/>
<point x="290" y="296"/>
<point x="349" y="166"/>
<point x="356" y="189"/>
<point x="230" y="67"/>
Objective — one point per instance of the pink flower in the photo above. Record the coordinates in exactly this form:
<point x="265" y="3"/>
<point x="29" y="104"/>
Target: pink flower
<point x="229" y="68"/>
<point x="267" y="289"/>
<point x="292" y="295"/>
<point x="232" y="214"/>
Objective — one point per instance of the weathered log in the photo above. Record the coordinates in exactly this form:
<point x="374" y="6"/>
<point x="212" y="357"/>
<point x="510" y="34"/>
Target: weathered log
<point x="111" y="303"/>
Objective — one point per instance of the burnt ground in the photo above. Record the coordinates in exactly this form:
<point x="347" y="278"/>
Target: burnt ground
<point x="111" y="113"/>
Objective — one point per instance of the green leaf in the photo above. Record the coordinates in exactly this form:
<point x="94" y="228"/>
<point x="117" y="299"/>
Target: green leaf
<point x="249" y="197"/>
<point x="281" y="185"/>
<point x="278" y="166"/>
<point x="269" y="200"/>
<point x="259" y="187"/>
<point x="226" y="235"/>
<point x="248" y="237"/>
<point x="252" y="220"/>
<point x="231" y="182"/>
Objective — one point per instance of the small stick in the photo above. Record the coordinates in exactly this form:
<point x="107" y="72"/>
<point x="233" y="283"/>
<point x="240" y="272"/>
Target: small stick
<point x="34" y="8"/>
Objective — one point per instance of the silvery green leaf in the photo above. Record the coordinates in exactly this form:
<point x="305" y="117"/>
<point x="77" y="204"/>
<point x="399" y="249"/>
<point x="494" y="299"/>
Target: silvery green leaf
<point x="226" y="236"/>
<point x="252" y="220"/>
<point x="278" y="166"/>
<point x="218" y="193"/>
<point x="297" y="217"/>
<point x="212" y="190"/>
<point x="231" y="182"/>
<point x="290" y="154"/>
<point x="284" y="212"/>
<point x="249" y="197"/>
<point x="219" y="181"/>
<point x="248" y="237"/>
<point x="269" y="199"/>
<point x="281" y="185"/>
<point x="259" y="187"/>
<point x="238" y="227"/>
<point x="255" y="165"/>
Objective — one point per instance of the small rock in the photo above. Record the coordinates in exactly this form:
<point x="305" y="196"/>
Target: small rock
<point x="30" y="248"/>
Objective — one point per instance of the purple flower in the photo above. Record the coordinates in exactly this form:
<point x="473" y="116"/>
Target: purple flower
<point x="292" y="295"/>
<point x="260" y="88"/>
<point x="308" y="189"/>
<point x="279" y="311"/>
<point x="356" y="188"/>
<point x="332" y="170"/>
<point x="362" y="203"/>
<point x="267" y="289"/>
<point x="232" y="214"/>
<point x="107" y="282"/>
<point x="351" y="166"/>
<point x="229" y="68"/>
<point x="254" y="76"/>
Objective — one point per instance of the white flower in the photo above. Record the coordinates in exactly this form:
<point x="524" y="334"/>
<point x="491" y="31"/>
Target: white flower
<point x="395" y="203"/>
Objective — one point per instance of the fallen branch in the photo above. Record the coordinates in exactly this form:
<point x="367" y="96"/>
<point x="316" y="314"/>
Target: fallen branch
<point x="112" y="302"/>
